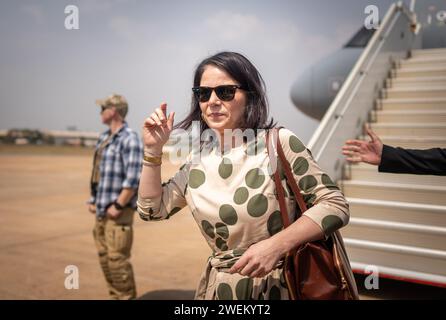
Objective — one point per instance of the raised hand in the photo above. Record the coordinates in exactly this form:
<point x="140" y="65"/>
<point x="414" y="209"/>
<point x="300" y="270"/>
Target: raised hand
<point x="157" y="128"/>
<point x="363" y="151"/>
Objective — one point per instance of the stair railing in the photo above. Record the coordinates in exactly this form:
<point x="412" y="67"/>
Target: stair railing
<point x="348" y="112"/>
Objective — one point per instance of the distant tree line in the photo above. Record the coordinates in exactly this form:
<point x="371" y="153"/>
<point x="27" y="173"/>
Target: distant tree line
<point x="37" y="137"/>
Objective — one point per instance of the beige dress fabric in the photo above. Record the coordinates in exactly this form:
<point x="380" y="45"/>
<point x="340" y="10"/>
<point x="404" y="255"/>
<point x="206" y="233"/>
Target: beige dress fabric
<point x="233" y="199"/>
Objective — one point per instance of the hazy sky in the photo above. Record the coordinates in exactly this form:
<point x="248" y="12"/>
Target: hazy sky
<point x="147" y="51"/>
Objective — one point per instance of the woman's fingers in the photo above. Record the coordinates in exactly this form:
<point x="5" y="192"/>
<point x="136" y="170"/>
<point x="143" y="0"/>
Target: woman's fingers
<point x="258" y="273"/>
<point x="170" y="120"/>
<point x="240" y="264"/>
<point x="148" y="123"/>
<point x="161" y="115"/>
<point x="158" y="124"/>
<point x="163" y="108"/>
<point x="248" y="269"/>
<point x="154" y="116"/>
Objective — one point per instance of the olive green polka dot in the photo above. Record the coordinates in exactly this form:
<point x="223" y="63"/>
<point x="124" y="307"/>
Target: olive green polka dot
<point x="226" y="257"/>
<point x="309" y="199"/>
<point x="224" y="292"/>
<point x="230" y="263"/>
<point x="296" y="145"/>
<point x="307" y="183"/>
<point x="274" y="222"/>
<point x="255" y="178"/>
<point x="228" y="214"/>
<point x="331" y="223"/>
<point x="326" y="180"/>
<point x="274" y="293"/>
<point x="225" y="168"/>
<point x="220" y="243"/>
<point x="241" y="195"/>
<point x="257" y="205"/>
<point x="208" y="228"/>
<point x="196" y="178"/>
<point x="238" y="252"/>
<point x="222" y="230"/>
<point x="243" y="289"/>
<point x="300" y="166"/>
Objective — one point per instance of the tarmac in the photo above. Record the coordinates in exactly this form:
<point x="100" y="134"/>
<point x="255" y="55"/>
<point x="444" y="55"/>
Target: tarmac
<point x="45" y="227"/>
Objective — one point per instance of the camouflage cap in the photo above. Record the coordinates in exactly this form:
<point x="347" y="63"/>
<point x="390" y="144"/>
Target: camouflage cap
<point x="117" y="101"/>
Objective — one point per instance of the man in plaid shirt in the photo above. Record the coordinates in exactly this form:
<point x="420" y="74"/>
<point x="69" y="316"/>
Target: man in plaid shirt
<point x="114" y="182"/>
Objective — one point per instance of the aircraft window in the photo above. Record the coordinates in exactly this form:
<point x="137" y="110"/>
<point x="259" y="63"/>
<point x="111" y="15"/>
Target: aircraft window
<point x="360" y="39"/>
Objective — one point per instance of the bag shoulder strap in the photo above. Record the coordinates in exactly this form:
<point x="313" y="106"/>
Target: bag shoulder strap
<point x="275" y="152"/>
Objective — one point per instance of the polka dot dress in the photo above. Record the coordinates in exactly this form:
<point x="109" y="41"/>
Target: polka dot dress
<point x="233" y="199"/>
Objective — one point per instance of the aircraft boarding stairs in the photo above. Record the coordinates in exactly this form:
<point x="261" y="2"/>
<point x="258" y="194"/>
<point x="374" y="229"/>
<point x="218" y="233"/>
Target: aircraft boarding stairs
<point x="398" y="221"/>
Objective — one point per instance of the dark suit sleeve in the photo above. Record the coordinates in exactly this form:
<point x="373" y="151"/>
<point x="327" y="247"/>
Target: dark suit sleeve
<point x="399" y="160"/>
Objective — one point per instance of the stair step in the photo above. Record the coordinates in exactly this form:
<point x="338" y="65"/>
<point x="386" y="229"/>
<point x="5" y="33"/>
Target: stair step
<point x="367" y="172"/>
<point x="408" y="116"/>
<point x="428" y="52"/>
<point x="406" y="212"/>
<point x="415" y="92"/>
<point x="422" y="80"/>
<point x="416" y="259"/>
<point x="414" y="142"/>
<point x="413" y="104"/>
<point x="400" y="233"/>
<point x="423" y="61"/>
<point x="418" y="82"/>
<point x="412" y="72"/>
<point x="410" y="129"/>
<point x="417" y="86"/>
<point x="395" y="191"/>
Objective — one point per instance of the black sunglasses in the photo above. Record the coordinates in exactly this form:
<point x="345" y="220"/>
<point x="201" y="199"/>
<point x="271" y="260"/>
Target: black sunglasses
<point x="224" y="93"/>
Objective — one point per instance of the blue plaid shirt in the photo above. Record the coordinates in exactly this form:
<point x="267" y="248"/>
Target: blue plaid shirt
<point x="120" y="167"/>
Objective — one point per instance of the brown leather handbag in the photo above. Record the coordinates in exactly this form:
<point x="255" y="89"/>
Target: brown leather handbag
<point x="318" y="269"/>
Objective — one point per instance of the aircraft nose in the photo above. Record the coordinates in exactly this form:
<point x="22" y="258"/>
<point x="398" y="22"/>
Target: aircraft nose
<point x="301" y="94"/>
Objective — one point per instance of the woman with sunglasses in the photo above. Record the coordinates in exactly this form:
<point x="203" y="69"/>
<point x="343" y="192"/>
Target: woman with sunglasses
<point x="230" y="190"/>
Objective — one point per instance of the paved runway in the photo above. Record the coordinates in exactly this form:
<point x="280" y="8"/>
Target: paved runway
<point x="44" y="227"/>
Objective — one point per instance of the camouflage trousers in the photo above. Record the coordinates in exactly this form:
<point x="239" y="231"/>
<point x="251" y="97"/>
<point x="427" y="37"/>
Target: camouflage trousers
<point x="113" y="239"/>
